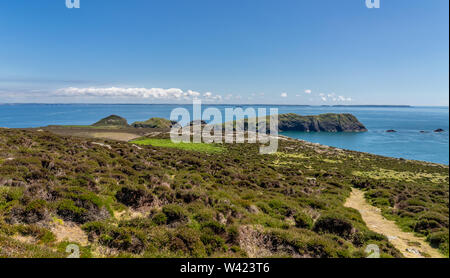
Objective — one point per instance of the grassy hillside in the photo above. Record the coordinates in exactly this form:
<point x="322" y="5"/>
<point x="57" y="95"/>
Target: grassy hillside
<point x="154" y="123"/>
<point x="153" y="199"/>
<point x="111" y="121"/>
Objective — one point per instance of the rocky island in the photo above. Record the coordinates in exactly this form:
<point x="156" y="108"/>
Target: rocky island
<point x="329" y="122"/>
<point x="321" y="123"/>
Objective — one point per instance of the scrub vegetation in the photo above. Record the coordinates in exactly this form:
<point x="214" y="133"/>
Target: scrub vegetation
<point x="154" y="198"/>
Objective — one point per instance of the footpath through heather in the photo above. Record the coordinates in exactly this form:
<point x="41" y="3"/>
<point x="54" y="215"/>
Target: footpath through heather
<point x="410" y="245"/>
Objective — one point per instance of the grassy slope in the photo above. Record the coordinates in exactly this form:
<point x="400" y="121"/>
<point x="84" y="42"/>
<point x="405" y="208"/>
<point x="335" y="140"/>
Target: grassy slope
<point x="167" y="143"/>
<point x="186" y="203"/>
<point x="154" y="123"/>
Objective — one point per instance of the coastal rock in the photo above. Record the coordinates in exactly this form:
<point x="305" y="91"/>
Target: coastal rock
<point x="330" y="122"/>
<point x="154" y="123"/>
<point x="110" y="121"/>
<point x="439" y="130"/>
<point x="325" y="122"/>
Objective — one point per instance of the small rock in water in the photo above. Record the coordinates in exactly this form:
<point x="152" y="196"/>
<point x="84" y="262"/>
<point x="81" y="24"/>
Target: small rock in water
<point x="391" y="131"/>
<point x="439" y="130"/>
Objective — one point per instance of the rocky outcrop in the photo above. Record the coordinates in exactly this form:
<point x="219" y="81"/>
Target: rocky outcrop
<point x="154" y="123"/>
<point x="439" y="130"/>
<point x="112" y="120"/>
<point x="319" y="123"/>
<point x="325" y="122"/>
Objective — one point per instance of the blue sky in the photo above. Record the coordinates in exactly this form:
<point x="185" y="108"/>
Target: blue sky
<point x="225" y="51"/>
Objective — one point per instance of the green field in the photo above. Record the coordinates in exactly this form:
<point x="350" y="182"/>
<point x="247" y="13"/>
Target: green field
<point x="167" y="143"/>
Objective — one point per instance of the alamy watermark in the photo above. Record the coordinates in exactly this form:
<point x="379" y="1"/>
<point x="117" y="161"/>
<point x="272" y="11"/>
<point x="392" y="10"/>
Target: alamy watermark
<point x="70" y="4"/>
<point x="73" y="250"/>
<point x="373" y="251"/>
<point x="373" y="4"/>
<point x="237" y="126"/>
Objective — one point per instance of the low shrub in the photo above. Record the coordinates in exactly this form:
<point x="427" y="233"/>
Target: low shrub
<point x="159" y="218"/>
<point x="302" y="220"/>
<point x="134" y="197"/>
<point x="175" y="213"/>
<point x="333" y="224"/>
<point x="440" y="240"/>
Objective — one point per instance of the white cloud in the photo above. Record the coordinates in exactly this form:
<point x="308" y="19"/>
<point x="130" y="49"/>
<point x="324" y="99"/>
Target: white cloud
<point x="333" y="97"/>
<point x="145" y="93"/>
<point x="308" y="92"/>
<point x="193" y="93"/>
<point x="284" y="95"/>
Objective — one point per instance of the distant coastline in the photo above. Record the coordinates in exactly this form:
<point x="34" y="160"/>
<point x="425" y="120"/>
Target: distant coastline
<point x="234" y="104"/>
<point x="375" y="106"/>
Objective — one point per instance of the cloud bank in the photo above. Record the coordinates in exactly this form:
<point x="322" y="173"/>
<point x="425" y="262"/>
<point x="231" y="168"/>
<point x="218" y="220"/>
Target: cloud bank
<point x="176" y="94"/>
<point x="333" y="97"/>
<point x="142" y="93"/>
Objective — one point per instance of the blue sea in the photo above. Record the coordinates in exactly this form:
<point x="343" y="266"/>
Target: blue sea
<point x="407" y="142"/>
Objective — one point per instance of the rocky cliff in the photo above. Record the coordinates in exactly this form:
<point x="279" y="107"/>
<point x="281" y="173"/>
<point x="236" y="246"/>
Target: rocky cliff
<point x="324" y="122"/>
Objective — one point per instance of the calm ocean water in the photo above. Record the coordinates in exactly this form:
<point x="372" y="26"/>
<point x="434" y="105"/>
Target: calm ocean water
<point x="407" y="143"/>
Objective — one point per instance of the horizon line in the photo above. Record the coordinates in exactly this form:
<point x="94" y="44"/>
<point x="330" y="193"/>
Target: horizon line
<point x="235" y="104"/>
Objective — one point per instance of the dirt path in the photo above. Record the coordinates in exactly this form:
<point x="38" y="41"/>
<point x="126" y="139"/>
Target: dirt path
<point x="119" y="136"/>
<point x="410" y="245"/>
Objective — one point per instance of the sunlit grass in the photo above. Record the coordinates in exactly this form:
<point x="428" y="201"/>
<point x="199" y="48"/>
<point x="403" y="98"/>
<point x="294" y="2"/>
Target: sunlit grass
<point x="167" y="143"/>
<point x="401" y="176"/>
